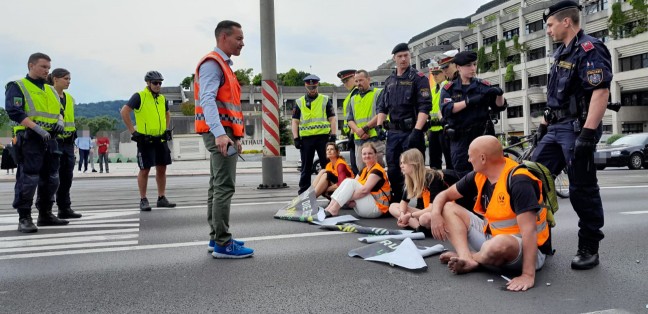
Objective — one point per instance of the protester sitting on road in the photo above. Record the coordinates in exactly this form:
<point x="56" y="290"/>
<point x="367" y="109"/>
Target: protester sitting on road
<point x="328" y="180"/>
<point x="421" y="183"/>
<point x="514" y="234"/>
<point x="369" y="193"/>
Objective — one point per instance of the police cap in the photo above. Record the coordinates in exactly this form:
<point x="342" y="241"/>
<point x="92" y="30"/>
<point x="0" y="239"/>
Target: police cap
<point x="434" y="67"/>
<point x="311" y="80"/>
<point x="560" y="6"/>
<point x="344" y="74"/>
<point x="447" y="58"/>
<point x="400" y="47"/>
<point x="465" y="57"/>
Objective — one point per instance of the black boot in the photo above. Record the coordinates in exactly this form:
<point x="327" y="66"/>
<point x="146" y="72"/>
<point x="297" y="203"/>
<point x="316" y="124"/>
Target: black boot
<point x="587" y="256"/>
<point x="67" y="213"/>
<point x="26" y="225"/>
<point x="162" y="201"/>
<point x="46" y="218"/>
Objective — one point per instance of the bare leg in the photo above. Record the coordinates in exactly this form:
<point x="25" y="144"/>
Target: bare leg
<point x="333" y="207"/>
<point x="457" y="222"/>
<point x="160" y="178"/>
<point x="320" y="184"/>
<point x="142" y="181"/>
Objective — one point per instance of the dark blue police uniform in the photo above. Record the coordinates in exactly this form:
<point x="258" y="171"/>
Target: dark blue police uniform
<point x="578" y="69"/>
<point x="469" y="123"/>
<point x="403" y="98"/>
<point x="38" y="163"/>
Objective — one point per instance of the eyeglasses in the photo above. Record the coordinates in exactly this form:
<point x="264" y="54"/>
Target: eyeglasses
<point x="156" y="83"/>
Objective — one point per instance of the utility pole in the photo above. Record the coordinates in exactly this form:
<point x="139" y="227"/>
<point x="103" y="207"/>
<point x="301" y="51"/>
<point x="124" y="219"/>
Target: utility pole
<point x="271" y="163"/>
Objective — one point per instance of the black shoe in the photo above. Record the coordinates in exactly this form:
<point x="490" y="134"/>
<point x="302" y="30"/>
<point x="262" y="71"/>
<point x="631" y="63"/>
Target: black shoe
<point x="164" y="202"/>
<point x="48" y="219"/>
<point x="26" y="225"/>
<point x="94" y="170"/>
<point x="144" y="205"/>
<point x="67" y="213"/>
<point x="587" y="256"/>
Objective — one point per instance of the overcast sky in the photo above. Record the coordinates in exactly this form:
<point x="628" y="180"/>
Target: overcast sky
<point x="109" y="45"/>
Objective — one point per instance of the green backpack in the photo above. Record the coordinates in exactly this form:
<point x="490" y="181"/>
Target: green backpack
<point x="549" y="196"/>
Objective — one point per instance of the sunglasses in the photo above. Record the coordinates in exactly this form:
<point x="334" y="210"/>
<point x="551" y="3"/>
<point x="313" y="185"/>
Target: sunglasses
<point x="156" y="83"/>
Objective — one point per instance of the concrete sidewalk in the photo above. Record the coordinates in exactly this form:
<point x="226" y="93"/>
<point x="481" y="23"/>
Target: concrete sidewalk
<point x="177" y="168"/>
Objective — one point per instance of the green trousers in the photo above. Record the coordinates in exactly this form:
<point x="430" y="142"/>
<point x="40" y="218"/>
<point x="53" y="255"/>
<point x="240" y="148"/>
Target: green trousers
<point x="222" y="182"/>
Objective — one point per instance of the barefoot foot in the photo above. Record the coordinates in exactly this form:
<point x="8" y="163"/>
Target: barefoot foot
<point x="446" y="256"/>
<point x="461" y="266"/>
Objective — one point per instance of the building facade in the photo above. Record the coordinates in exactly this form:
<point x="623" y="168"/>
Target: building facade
<point x="516" y="54"/>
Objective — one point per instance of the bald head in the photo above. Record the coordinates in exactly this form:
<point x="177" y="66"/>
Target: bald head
<point x="488" y="145"/>
<point x="485" y="154"/>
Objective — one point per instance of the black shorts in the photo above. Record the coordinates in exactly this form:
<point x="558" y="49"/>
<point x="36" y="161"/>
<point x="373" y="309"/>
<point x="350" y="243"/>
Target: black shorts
<point x="153" y="154"/>
<point x="333" y="179"/>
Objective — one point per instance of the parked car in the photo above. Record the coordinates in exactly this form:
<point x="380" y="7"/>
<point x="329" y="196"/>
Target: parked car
<point x="343" y="145"/>
<point x="629" y="151"/>
<point x="602" y="143"/>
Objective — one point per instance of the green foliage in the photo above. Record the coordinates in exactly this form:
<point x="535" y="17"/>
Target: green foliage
<point x="472" y="25"/>
<point x="616" y="21"/>
<point x="4" y="118"/>
<point x="481" y="60"/>
<point x="493" y="67"/>
<point x="187" y="108"/>
<point x="292" y="78"/>
<point x="639" y="6"/>
<point x="613" y="138"/>
<point x="244" y="76"/>
<point x="187" y="81"/>
<point x="257" y="79"/>
<point x="491" y="17"/>
<point x="96" y="124"/>
<point x="510" y="74"/>
<point x="637" y="30"/>
<point x="285" y="133"/>
<point x="502" y="51"/>
<point x="103" y="108"/>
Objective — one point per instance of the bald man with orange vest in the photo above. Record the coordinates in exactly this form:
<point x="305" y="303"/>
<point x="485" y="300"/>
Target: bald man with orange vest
<point x="513" y="235"/>
<point x="219" y="118"/>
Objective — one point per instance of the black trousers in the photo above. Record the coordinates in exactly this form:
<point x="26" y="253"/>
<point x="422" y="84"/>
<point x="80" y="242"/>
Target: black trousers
<point x="66" y="173"/>
<point x="435" y="149"/>
<point x="310" y="145"/>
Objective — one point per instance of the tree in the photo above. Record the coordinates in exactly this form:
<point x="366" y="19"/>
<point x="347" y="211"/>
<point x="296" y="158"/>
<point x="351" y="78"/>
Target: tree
<point x="257" y="79"/>
<point x="616" y="21"/>
<point x="187" y="81"/>
<point x="188" y="108"/>
<point x="96" y="124"/>
<point x="244" y="76"/>
<point x="285" y="133"/>
<point x="510" y="74"/>
<point x="4" y="118"/>
<point x="502" y="52"/>
<point x="481" y="60"/>
<point x="291" y="78"/>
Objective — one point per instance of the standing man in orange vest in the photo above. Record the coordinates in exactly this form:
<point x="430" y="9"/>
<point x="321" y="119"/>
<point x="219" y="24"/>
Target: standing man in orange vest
<point x="219" y="118"/>
<point x="514" y="234"/>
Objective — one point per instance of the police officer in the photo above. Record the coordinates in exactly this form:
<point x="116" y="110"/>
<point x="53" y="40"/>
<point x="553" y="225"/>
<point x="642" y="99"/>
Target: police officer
<point x="362" y="118"/>
<point x="436" y="138"/>
<point x="447" y="65"/>
<point x="406" y="99"/>
<point x="152" y="135"/>
<point x="347" y="78"/>
<point x="465" y="106"/>
<point x="577" y="95"/>
<point x="35" y="106"/>
<point x="313" y="125"/>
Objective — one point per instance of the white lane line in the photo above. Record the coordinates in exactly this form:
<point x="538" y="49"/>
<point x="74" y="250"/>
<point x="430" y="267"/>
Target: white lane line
<point x="101" y="221"/>
<point x="68" y="234"/>
<point x="167" y="245"/>
<point x="624" y="187"/>
<point x="14" y="227"/>
<point x="639" y="212"/>
<point x="47" y="242"/>
<point x="68" y="246"/>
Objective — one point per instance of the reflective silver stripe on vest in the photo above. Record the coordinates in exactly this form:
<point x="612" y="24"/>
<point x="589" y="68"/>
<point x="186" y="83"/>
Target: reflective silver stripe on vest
<point x="229" y="106"/>
<point x="69" y="124"/>
<point x="362" y="120"/>
<point x="313" y="127"/>
<point x="508" y="223"/>
<point x="30" y="102"/>
<point x="379" y="199"/>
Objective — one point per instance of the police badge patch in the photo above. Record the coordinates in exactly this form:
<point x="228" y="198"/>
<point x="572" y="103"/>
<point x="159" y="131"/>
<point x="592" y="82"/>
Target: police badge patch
<point x="425" y="92"/>
<point x="595" y="77"/>
<point x="447" y="100"/>
<point x="18" y="102"/>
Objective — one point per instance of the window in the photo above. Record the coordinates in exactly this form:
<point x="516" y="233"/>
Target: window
<point x="629" y="128"/>
<point x="447" y="42"/>
<point x="607" y="128"/>
<point x="538" y="53"/>
<point x="540" y="80"/>
<point x="513" y="85"/>
<point x="514" y="59"/>
<point x="472" y="46"/>
<point x="425" y="63"/>
<point x="489" y="65"/>
<point x="602" y="35"/>
<point x="534" y="27"/>
<point x="537" y="109"/>
<point x="632" y="99"/>
<point x="514" y="112"/>
<point x="634" y="62"/>
<point x="626" y="30"/>
<point x="490" y="40"/>
<point x="597" y="6"/>
<point x="508" y="35"/>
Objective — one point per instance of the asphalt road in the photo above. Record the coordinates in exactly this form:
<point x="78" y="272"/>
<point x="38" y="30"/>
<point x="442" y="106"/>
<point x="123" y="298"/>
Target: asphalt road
<point x="119" y="260"/>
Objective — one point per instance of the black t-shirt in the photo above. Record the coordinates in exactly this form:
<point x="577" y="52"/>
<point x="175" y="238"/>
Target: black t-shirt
<point x="434" y="184"/>
<point x="524" y="192"/>
<point x="135" y="102"/>
<point x="330" y="111"/>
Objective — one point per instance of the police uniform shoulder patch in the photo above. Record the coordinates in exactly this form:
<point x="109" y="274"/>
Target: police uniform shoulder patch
<point x="425" y="92"/>
<point x="448" y="85"/>
<point x="595" y="76"/>
<point x="18" y="102"/>
<point x="587" y="46"/>
<point x="485" y="82"/>
<point x="421" y="74"/>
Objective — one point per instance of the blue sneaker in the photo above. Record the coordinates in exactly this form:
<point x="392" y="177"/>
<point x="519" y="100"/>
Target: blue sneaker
<point x="232" y="250"/>
<point x="210" y="246"/>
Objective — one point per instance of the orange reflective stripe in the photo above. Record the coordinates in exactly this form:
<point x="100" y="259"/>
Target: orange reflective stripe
<point x="383" y="195"/>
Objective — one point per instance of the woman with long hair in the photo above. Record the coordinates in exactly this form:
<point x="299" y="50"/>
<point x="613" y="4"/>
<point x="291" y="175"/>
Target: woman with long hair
<point x="328" y="179"/>
<point x="369" y="193"/>
<point x="60" y="79"/>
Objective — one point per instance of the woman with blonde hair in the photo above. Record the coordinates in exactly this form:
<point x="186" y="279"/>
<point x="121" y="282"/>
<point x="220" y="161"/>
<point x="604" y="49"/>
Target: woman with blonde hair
<point x="328" y="179"/>
<point x="369" y="193"/>
<point x="422" y="184"/>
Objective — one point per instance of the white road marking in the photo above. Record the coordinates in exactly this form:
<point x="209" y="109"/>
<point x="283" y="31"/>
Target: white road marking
<point x="46" y="242"/>
<point x="625" y="187"/>
<point x="639" y="212"/>
<point x="69" y="234"/>
<point x="68" y="246"/>
<point x="15" y="227"/>
<point x="167" y="245"/>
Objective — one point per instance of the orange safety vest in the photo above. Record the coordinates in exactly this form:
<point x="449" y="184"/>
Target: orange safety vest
<point x="381" y="196"/>
<point x="228" y="99"/>
<point x="330" y="167"/>
<point x="499" y="217"/>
